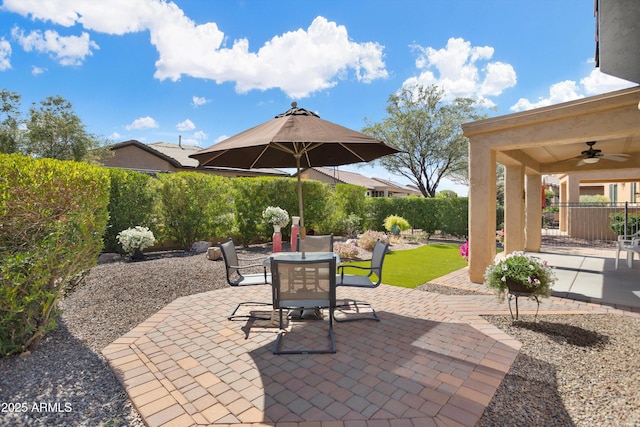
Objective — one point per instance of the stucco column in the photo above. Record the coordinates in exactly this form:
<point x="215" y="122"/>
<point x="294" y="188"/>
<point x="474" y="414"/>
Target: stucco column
<point x="514" y="208"/>
<point x="533" y="213"/>
<point x="482" y="210"/>
<point x="573" y="197"/>
<point x="564" y="215"/>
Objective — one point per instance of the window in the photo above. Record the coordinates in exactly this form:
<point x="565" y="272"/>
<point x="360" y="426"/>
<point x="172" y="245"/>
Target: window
<point x="613" y="192"/>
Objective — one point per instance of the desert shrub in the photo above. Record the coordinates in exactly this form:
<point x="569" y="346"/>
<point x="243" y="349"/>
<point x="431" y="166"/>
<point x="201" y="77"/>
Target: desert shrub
<point x="350" y="225"/>
<point x="346" y="250"/>
<point x="369" y="238"/>
<point x="52" y="218"/>
<point x="135" y="239"/>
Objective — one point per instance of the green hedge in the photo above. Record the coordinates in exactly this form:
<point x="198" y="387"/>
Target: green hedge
<point x="194" y="206"/>
<point x="252" y="195"/>
<point x="131" y="203"/>
<point x="448" y="215"/>
<point x="53" y="215"/>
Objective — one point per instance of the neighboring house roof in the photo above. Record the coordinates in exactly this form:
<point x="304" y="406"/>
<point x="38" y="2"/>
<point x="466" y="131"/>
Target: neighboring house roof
<point x="177" y="155"/>
<point x="348" y="177"/>
<point x="371" y="184"/>
<point x="405" y="188"/>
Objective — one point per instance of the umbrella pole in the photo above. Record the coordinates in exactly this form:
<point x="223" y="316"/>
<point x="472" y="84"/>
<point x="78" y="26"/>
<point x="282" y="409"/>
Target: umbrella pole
<point x="302" y="231"/>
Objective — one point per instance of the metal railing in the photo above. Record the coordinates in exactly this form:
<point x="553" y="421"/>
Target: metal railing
<point x="587" y="225"/>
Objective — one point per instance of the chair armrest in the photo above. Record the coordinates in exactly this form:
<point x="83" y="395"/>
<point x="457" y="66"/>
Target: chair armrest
<point x="343" y="266"/>
<point x="260" y="258"/>
<point x="240" y="267"/>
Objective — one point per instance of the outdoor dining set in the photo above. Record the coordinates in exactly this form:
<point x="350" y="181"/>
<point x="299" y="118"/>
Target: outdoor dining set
<point x="303" y="285"/>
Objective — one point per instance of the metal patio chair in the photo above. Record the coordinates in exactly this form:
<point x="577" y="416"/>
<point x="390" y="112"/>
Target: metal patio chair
<point x="234" y="267"/>
<point x="371" y="280"/>
<point x="303" y="285"/>
<point x="323" y="243"/>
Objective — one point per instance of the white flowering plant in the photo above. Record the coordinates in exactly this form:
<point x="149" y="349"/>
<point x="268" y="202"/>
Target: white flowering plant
<point x="135" y="239"/>
<point x="276" y="216"/>
<point x="534" y="274"/>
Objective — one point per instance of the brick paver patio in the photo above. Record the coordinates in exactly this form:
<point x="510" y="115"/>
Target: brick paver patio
<point x="432" y="360"/>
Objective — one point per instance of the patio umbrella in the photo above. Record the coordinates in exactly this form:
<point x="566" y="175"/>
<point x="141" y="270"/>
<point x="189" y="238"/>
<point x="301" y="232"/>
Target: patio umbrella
<point x="297" y="138"/>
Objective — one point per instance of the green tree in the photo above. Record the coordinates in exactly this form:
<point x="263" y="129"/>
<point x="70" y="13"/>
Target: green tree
<point x="55" y="131"/>
<point x="9" y="122"/>
<point x="429" y="132"/>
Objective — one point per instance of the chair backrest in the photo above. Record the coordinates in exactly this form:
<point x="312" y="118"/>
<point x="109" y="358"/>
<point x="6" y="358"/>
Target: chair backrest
<point x="317" y="243"/>
<point x="377" y="258"/>
<point x="304" y="284"/>
<point x="231" y="262"/>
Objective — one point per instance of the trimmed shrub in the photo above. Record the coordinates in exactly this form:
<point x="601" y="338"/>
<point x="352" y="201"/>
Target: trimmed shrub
<point x="131" y="203"/>
<point x="52" y="218"/>
<point x="195" y="206"/>
<point x="253" y="195"/>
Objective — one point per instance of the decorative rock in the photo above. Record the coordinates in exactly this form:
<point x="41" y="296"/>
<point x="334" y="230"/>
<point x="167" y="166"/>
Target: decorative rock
<point x="214" y="253"/>
<point x="108" y="258"/>
<point x="200" y="247"/>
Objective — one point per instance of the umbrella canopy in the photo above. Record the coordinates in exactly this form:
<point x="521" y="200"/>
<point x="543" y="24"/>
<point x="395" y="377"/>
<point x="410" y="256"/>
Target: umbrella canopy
<point x="298" y="138"/>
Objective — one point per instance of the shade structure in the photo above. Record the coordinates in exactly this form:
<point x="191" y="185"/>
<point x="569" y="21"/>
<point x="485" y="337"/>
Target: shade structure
<point x="297" y="139"/>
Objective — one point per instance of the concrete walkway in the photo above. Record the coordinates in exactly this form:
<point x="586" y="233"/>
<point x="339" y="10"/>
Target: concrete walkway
<point x="432" y="360"/>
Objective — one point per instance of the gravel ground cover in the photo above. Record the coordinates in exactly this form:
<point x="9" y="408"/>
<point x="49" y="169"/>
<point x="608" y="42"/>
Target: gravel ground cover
<point x="577" y="370"/>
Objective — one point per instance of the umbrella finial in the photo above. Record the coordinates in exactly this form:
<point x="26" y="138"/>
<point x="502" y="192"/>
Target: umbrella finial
<point x="294" y="104"/>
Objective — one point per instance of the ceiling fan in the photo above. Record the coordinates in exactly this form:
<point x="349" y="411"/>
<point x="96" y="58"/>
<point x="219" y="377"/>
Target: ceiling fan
<point x="593" y="155"/>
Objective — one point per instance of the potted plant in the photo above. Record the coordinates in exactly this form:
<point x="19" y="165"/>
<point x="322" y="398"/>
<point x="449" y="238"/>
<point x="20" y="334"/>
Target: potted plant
<point x="278" y="218"/>
<point x="134" y="240"/>
<point x="520" y="273"/>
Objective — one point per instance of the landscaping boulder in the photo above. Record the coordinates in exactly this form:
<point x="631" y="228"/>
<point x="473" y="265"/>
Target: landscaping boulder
<point x="109" y="257"/>
<point x="214" y="253"/>
<point x="200" y="247"/>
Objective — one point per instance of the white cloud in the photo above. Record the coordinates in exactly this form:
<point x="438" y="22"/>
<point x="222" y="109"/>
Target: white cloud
<point x="69" y="50"/>
<point x="221" y="138"/>
<point x="457" y="69"/>
<point x="186" y="125"/>
<point x="200" y="135"/>
<point x="5" y="54"/>
<point x="114" y="136"/>
<point x="593" y="84"/>
<point x="597" y="82"/>
<point x="316" y="58"/>
<point x="198" y="101"/>
<point x="36" y="71"/>
<point x="142" y="123"/>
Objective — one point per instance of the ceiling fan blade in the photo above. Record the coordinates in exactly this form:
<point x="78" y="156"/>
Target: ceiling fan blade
<point x="616" y="157"/>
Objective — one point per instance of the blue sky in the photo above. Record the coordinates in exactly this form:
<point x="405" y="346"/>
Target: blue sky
<point x="152" y="70"/>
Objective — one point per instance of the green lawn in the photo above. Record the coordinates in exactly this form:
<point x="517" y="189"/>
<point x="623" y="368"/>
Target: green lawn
<point x="413" y="267"/>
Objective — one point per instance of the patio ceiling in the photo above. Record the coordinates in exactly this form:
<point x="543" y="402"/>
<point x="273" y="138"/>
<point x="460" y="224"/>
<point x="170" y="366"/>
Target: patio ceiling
<point x="550" y="139"/>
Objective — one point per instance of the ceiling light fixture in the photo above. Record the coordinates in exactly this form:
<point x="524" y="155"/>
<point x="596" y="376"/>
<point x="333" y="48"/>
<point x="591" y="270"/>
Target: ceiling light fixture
<point x="591" y="160"/>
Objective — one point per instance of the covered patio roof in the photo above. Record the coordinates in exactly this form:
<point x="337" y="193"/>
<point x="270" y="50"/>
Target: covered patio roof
<point x="533" y="143"/>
